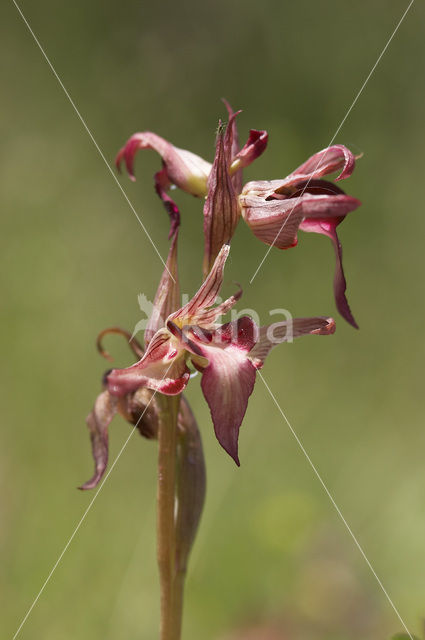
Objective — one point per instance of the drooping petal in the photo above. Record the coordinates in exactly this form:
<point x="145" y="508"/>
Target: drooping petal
<point x="167" y="298"/>
<point x="207" y="293"/>
<point x="329" y="160"/>
<point x="228" y="380"/>
<point x="98" y="422"/>
<point x="274" y="334"/>
<point x="162" y="368"/>
<point x="328" y="228"/>
<point x="184" y="169"/>
<point x="221" y="209"/>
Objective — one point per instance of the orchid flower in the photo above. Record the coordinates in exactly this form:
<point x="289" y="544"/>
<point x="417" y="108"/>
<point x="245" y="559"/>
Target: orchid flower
<point x="227" y="355"/>
<point x="274" y="210"/>
<point x="186" y="170"/>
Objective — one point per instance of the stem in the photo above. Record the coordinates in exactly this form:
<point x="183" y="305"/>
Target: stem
<point x="167" y="440"/>
<point x="190" y="492"/>
<point x="179" y="581"/>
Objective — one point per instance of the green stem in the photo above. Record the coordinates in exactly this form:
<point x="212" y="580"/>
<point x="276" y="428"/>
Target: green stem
<point x="190" y="492"/>
<point x="166" y="531"/>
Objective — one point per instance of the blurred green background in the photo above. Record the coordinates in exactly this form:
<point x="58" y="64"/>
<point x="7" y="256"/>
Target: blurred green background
<point x="271" y="549"/>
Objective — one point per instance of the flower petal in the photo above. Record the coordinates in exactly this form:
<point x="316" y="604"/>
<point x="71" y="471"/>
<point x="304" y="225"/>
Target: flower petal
<point x="162" y="368"/>
<point x="207" y="293"/>
<point x="328" y="228"/>
<point x="228" y="380"/>
<point x="209" y="316"/>
<point x="324" y="162"/>
<point x="273" y="334"/>
<point x="221" y="209"/>
<point x="98" y="422"/>
<point x="184" y="169"/>
<point x="276" y="221"/>
<point x="167" y="298"/>
<point x="252" y="149"/>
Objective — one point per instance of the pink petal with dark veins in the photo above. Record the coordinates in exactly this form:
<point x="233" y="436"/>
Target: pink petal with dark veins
<point x="274" y="334"/>
<point x="184" y="169"/>
<point x="221" y="209"/>
<point x="228" y="380"/>
<point x="276" y="221"/>
<point x="167" y="298"/>
<point x="208" y="292"/>
<point x="162" y="368"/>
<point x="326" y="161"/>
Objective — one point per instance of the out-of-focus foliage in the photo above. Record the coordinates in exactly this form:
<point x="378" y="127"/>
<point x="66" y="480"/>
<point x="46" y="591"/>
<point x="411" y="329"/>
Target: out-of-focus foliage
<point x="73" y="259"/>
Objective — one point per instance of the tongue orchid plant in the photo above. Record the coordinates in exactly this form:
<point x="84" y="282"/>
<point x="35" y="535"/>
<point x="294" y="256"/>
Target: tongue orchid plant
<point x="179" y="339"/>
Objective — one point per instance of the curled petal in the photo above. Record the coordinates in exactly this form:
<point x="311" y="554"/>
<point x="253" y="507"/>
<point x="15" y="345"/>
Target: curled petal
<point x="221" y="209"/>
<point x="272" y="335"/>
<point x="326" y="161"/>
<point x="207" y="293"/>
<point x="328" y="228"/>
<point x="98" y="422"/>
<point x="135" y="346"/>
<point x="162" y="368"/>
<point x="167" y="297"/>
<point x="253" y="148"/>
<point x="228" y="380"/>
<point x="184" y="169"/>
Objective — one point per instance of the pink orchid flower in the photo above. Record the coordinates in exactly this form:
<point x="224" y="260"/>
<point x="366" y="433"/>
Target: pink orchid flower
<point x="186" y="170"/>
<point x="274" y="210"/>
<point x="227" y="355"/>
